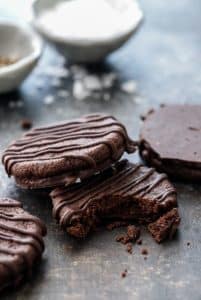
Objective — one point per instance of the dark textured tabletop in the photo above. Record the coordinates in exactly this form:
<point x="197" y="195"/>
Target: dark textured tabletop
<point x="164" y="59"/>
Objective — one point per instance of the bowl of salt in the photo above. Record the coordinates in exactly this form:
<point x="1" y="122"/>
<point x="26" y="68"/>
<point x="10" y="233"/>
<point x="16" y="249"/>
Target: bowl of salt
<point x="86" y="31"/>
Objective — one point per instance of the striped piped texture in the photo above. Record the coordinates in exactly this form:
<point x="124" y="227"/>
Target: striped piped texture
<point x="124" y="182"/>
<point x="21" y="242"/>
<point x="69" y="140"/>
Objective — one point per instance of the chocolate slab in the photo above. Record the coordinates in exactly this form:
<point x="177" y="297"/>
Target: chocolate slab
<point x="21" y="243"/>
<point x="124" y="192"/>
<point x="170" y="141"/>
<point x="62" y="153"/>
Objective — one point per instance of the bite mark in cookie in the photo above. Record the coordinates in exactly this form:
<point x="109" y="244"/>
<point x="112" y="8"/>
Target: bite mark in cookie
<point x="123" y="192"/>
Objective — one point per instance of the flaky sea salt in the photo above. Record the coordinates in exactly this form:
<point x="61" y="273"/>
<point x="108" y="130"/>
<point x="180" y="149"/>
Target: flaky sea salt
<point x="49" y="99"/>
<point x="78" y="72"/>
<point x="129" y="87"/>
<point x="92" y="83"/>
<point x="79" y="91"/>
<point x="55" y="71"/>
<point x="108" y="80"/>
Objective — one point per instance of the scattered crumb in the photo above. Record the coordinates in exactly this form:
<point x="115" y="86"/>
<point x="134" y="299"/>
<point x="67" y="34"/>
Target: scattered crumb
<point x="139" y="242"/>
<point x="124" y="273"/>
<point x="49" y="99"/>
<point x="133" y="233"/>
<point x="129" y="87"/>
<point x="123" y="238"/>
<point x="128" y="238"/>
<point x="116" y="224"/>
<point x="193" y="128"/>
<point x="188" y="243"/>
<point x="142" y="117"/>
<point x="26" y="124"/>
<point x="129" y="248"/>
<point x="162" y="105"/>
<point x="144" y="251"/>
<point x="151" y="111"/>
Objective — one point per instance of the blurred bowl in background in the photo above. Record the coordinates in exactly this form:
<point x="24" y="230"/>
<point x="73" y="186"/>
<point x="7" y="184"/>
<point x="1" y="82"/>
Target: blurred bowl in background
<point x="86" y="50"/>
<point x="20" y="49"/>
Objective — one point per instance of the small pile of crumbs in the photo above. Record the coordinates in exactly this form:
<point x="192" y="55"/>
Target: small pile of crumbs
<point x="129" y="238"/>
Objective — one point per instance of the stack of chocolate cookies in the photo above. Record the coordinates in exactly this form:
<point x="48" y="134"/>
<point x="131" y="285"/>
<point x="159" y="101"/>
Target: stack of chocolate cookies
<point x="80" y="161"/>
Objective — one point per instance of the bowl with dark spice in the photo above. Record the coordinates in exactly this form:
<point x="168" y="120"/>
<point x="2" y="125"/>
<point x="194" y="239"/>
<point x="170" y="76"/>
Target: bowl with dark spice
<point x="20" y="49"/>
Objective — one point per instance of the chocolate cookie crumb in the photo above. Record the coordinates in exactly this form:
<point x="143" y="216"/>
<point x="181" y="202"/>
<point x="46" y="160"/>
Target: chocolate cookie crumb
<point x="124" y="273"/>
<point x="188" y="243"/>
<point x="129" y="248"/>
<point x="139" y="242"/>
<point x="142" y="117"/>
<point x="123" y="238"/>
<point x="144" y="251"/>
<point x="133" y="233"/>
<point x="26" y="124"/>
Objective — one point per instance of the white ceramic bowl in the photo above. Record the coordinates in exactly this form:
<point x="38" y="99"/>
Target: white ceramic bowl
<point x="84" y="50"/>
<point x="17" y="41"/>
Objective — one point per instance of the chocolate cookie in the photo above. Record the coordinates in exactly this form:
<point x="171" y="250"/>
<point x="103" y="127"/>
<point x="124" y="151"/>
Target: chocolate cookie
<point x="123" y="192"/>
<point x="21" y="243"/>
<point x="170" y="141"/>
<point x="60" y="154"/>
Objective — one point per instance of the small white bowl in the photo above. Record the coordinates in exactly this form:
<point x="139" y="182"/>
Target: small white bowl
<point x="21" y="43"/>
<point x="85" y="51"/>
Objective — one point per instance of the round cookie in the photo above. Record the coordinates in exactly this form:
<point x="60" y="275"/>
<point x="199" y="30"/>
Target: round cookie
<point x="21" y="243"/>
<point x="60" y="154"/>
<point x="170" y="141"/>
